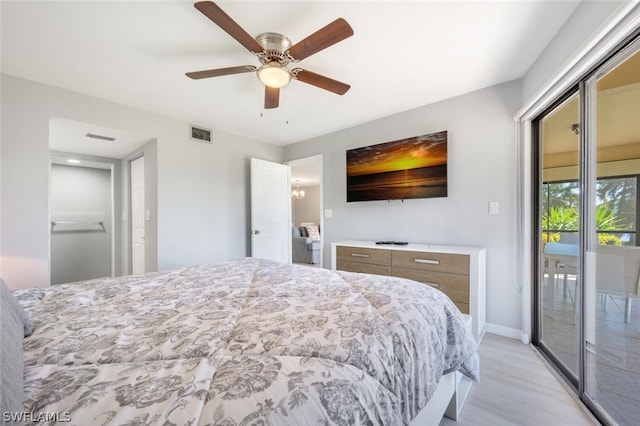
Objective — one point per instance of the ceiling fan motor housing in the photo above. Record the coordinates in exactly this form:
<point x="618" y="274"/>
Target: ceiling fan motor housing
<point x="275" y="45"/>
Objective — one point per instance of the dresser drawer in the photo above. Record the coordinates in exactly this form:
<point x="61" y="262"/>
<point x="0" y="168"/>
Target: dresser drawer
<point x="441" y="262"/>
<point x="363" y="255"/>
<point x="464" y="307"/>
<point x="367" y="268"/>
<point x="455" y="286"/>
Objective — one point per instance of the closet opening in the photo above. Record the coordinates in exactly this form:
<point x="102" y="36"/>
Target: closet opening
<point x="82" y="219"/>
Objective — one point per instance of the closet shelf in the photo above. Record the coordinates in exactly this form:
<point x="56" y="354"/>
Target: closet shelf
<point x="77" y="222"/>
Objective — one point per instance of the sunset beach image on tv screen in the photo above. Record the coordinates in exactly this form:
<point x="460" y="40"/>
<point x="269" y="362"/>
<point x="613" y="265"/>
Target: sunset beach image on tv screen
<point x="404" y="169"/>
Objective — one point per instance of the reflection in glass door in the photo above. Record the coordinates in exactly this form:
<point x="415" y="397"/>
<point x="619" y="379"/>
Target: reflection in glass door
<point x="612" y="316"/>
<point x="559" y="207"/>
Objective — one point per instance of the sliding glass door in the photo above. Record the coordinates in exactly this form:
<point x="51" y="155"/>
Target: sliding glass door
<point x="587" y="305"/>
<point x="559" y="207"/>
<point x="612" y="319"/>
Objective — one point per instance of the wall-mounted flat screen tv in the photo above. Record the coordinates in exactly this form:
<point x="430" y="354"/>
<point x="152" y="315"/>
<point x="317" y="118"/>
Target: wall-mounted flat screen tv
<point x="400" y="170"/>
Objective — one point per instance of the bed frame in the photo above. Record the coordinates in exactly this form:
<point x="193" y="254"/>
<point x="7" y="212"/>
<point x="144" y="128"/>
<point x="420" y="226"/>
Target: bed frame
<point x="448" y="399"/>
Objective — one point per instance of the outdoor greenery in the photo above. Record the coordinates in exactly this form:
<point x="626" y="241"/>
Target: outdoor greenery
<point x="615" y="210"/>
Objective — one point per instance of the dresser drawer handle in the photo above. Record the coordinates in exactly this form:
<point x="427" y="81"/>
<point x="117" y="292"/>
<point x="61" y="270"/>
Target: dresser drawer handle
<point x="366" y="256"/>
<point x="434" y="285"/>
<point x="427" y="261"/>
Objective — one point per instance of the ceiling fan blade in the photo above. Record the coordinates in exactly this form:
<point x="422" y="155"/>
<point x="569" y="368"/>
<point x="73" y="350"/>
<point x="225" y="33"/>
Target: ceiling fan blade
<point x="224" y="21"/>
<point x="321" y="81"/>
<point x="196" y="75"/>
<point x="271" y="97"/>
<point x="326" y="36"/>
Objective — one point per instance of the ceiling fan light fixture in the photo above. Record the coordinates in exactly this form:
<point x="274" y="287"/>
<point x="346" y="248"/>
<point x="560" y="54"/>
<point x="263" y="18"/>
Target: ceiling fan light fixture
<point x="274" y="75"/>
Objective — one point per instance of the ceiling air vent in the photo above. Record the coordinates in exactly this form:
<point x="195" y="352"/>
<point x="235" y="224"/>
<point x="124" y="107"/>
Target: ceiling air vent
<point x="104" y="138"/>
<point x="200" y="134"/>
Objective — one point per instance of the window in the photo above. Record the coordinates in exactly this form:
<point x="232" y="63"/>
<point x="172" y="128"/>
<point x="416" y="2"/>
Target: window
<point x="616" y="211"/>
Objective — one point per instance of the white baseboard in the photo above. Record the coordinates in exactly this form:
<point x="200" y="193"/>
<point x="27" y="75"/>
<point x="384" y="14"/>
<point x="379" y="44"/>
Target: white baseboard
<point x="511" y="333"/>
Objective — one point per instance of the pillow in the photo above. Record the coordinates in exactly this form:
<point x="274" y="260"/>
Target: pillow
<point x="12" y="333"/>
<point x="303" y="231"/>
<point x="27" y="324"/>
<point x="314" y="232"/>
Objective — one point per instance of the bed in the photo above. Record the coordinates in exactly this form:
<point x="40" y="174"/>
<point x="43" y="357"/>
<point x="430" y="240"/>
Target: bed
<point x="239" y="342"/>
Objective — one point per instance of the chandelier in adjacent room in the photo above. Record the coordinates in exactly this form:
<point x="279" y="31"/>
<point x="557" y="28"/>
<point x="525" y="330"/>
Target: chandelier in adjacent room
<point x="297" y="194"/>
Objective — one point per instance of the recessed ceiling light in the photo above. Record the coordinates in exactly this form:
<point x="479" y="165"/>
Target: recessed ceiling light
<point x="73" y="161"/>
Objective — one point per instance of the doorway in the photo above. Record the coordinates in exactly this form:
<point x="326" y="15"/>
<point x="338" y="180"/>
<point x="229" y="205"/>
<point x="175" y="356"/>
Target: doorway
<point x="307" y="210"/>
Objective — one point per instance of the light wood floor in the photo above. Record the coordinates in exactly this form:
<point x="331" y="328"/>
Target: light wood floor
<point x="516" y="388"/>
<point x="613" y="356"/>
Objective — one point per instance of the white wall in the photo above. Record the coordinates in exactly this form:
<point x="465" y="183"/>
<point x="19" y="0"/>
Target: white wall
<point x="203" y="203"/>
<point x="575" y="36"/>
<point x="481" y="156"/>
<point x="306" y="209"/>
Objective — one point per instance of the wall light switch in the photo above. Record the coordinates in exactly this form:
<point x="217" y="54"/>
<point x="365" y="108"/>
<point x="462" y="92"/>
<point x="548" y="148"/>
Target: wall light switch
<point x="147" y="215"/>
<point x="328" y="213"/>
<point x="494" y="207"/>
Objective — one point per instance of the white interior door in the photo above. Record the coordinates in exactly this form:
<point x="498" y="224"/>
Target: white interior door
<point x="137" y="216"/>
<point x="270" y="211"/>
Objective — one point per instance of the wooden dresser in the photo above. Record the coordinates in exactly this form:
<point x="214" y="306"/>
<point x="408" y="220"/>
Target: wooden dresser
<point x="459" y="272"/>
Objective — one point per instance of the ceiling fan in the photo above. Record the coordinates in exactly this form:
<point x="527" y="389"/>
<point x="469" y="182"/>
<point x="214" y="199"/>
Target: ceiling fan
<point x="275" y="52"/>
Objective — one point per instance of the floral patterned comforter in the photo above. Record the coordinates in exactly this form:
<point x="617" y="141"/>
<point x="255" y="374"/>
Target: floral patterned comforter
<point x="245" y="341"/>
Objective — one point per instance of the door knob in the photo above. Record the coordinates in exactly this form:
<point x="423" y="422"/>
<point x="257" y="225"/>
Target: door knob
<point x="256" y="231"/>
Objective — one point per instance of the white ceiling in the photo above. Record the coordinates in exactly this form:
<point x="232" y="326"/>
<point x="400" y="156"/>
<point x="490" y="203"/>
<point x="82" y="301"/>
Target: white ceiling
<point x="402" y="55"/>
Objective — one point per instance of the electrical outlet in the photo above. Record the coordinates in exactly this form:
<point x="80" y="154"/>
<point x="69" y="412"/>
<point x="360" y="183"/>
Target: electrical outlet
<point x="494" y="207"/>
